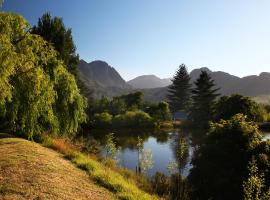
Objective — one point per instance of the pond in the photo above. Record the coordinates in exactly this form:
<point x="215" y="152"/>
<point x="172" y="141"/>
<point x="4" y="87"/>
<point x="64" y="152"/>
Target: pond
<point x="163" y="144"/>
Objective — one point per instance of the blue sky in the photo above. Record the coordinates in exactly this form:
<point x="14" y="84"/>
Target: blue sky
<point x="155" y="36"/>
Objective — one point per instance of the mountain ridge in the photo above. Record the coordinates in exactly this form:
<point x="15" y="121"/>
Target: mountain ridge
<point x="105" y="80"/>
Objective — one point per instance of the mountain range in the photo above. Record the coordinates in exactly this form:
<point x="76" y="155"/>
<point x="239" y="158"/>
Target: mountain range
<point x="105" y="80"/>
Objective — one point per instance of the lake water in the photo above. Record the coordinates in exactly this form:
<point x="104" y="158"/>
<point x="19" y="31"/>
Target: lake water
<point x="163" y="144"/>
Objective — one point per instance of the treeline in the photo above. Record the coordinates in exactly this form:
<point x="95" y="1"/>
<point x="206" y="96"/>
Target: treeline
<point x="128" y="110"/>
<point x="204" y="104"/>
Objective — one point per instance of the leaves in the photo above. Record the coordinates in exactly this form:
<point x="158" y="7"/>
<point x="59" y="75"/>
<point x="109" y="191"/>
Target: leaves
<point x="38" y="92"/>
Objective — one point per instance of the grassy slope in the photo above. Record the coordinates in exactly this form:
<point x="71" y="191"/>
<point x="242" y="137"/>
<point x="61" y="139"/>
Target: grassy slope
<point x="30" y="171"/>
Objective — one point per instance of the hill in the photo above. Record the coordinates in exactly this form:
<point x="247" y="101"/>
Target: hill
<point x="30" y="171"/>
<point x="102" y="79"/>
<point x="149" y="81"/>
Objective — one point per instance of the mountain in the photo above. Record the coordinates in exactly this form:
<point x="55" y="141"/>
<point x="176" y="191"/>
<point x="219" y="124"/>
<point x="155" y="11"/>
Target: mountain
<point x="229" y="84"/>
<point x="149" y="81"/>
<point x="102" y="79"/>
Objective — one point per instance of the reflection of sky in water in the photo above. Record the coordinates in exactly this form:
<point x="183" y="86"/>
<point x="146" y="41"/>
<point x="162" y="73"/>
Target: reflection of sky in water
<point x="266" y="136"/>
<point x="162" y="155"/>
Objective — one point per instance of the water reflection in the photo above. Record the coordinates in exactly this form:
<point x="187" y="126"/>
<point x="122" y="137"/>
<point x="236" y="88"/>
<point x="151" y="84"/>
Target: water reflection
<point x="166" y="146"/>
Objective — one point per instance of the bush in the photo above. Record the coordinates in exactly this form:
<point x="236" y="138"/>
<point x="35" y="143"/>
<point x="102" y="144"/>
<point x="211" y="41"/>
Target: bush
<point x="220" y="163"/>
<point x="228" y="106"/>
<point x="133" y="119"/>
<point x="102" y="119"/>
<point x="158" y="111"/>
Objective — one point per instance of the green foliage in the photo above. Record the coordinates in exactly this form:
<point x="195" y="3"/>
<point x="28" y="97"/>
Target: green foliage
<point x="37" y="91"/>
<point x="253" y="186"/>
<point x="227" y="106"/>
<point x="158" y="111"/>
<point x="133" y="101"/>
<point x="102" y="119"/>
<point x="122" y="187"/>
<point x="102" y="105"/>
<point x="54" y="31"/>
<point x="117" y="106"/>
<point x="219" y="165"/>
<point x="261" y="154"/>
<point x="145" y="160"/>
<point x="203" y="99"/>
<point x="145" y="157"/>
<point x="110" y="146"/>
<point x="179" y="91"/>
<point x="133" y="119"/>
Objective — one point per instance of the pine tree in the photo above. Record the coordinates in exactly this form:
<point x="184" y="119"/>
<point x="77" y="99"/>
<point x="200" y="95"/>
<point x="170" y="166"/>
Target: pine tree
<point x="203" y="98"/>
<point x="179" y="91"/>
<point x="53" y="30"/>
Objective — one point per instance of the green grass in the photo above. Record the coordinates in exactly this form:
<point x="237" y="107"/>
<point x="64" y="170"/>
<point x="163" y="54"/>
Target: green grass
<point x="124" y="188"/>
<point x="111" y="180"/>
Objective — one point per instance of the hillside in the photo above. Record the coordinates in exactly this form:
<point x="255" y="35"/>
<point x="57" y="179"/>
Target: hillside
<point x="30" y="171"/>
<point x="102" y="79"/>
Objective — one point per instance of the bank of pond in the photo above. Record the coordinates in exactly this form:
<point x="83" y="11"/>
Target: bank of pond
<point x="163" y="144"/>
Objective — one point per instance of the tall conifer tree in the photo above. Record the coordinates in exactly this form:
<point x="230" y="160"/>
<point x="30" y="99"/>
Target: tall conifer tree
<point x="203" y="99"/>
<point x="179" y="90"/>
<point x="53" y="30"/>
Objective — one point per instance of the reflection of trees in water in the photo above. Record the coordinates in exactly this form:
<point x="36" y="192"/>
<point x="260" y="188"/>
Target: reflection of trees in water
<point x="127" y="138"/>
<point x="180" y="149"/>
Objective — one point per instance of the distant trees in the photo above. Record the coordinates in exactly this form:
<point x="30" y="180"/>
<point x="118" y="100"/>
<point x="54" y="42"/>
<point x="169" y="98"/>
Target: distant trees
<point x="203" y="100"/>
<point x="53" y="30"/>
<point x="37" y="94"/>
<point x="159" y="111"/>
<point x="220" y="164"/>
<point x="227" y="106"/>
<point x="129" y="110"/>
<point x="179" y="90"/>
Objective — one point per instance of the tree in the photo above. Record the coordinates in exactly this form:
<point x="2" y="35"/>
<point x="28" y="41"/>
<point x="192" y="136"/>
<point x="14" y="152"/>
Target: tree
<point x="179" y="90"/>
<point x="227" y="106"/>
<point x="253" y="187"/>
<point x="111" y="148"/>
<point x="203" y="98"/>
<point x="145" y="157"/>
<point x="220" y="163"/>
<point x="37" y="92"/>
<point x="158" y="111"/>
<point x="117" y="106"/>
<point x="133" y="100"/>
<point x="54" y="31"/>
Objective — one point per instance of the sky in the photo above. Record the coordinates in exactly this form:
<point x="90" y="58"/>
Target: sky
<point x="139" y="37"/>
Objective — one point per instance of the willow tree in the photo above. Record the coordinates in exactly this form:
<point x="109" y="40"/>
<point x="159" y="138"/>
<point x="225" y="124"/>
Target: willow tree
<point x="37" y="92"/>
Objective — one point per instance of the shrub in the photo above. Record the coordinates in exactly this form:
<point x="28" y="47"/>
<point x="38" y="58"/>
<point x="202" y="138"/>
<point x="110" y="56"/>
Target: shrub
<point x="102" y="119"/>
<point x="133" y="119"/>
<point x="228" y="106"/>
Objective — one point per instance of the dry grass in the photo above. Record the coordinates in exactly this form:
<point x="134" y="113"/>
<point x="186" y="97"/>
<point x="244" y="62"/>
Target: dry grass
<point x="30" y="171"/>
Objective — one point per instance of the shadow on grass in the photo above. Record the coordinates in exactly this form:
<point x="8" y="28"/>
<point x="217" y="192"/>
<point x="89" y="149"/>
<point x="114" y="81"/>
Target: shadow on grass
<point x="5" y="135"/>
